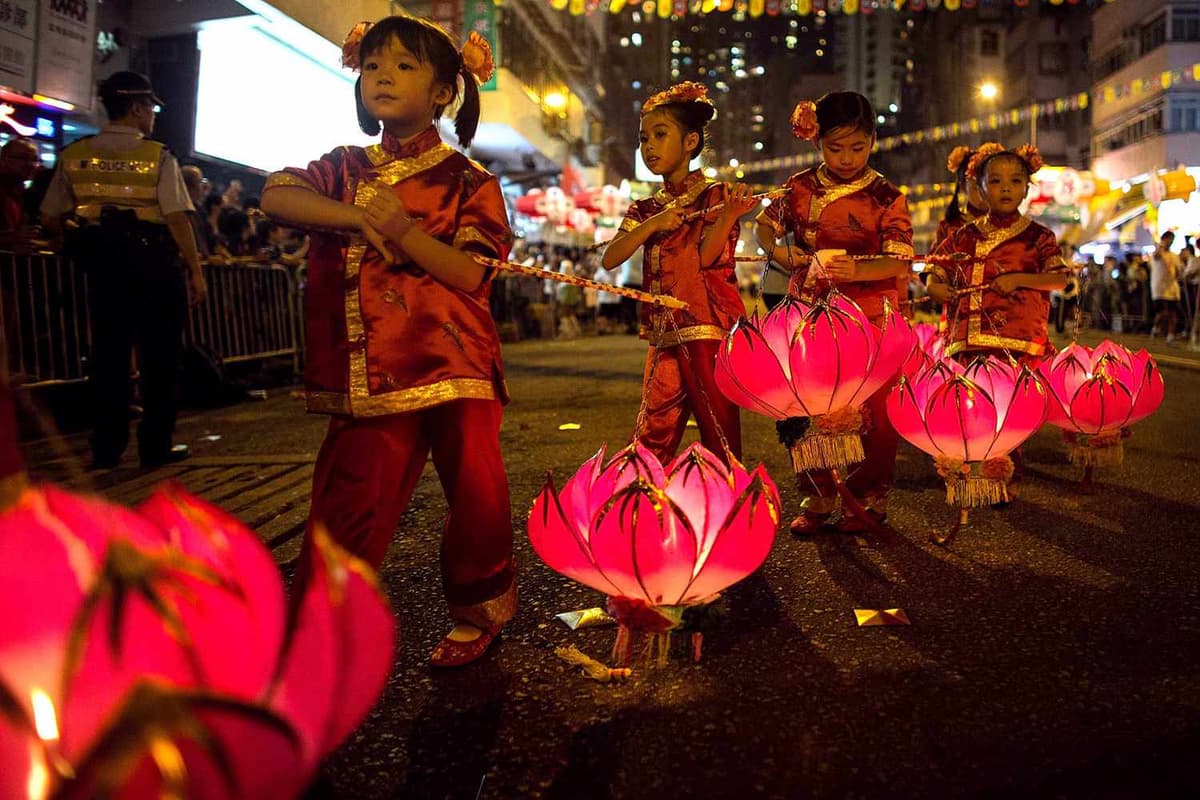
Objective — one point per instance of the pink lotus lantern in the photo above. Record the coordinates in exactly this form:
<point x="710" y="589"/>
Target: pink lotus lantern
<point x="821" y="361"/>
<point x="969" y="419"/>
<point x="151" y="653"/>
<point x="656" y="541"/>
<point x="1097" y="394"/>
<point x="931" y="347"/>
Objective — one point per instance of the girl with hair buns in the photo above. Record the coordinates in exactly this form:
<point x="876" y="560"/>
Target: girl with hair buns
<point x="402" y="350"/>
<point x="1012" y="263"/>
<point x="690" y="246"/>
<point x="968" y="203"/>
<point x="843" y="204"/>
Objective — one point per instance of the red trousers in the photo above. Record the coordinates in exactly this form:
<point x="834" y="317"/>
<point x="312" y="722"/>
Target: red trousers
<point x="681" y="385"/>
<point x="365" y="476"/>
<point x="871" y="479"/>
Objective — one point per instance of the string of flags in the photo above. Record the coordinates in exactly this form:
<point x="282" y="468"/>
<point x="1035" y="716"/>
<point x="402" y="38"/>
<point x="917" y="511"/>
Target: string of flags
<point x="668" y="9"/>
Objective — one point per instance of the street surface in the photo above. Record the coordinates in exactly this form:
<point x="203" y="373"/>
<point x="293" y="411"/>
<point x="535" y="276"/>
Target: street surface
<point x="1053" y="650"/>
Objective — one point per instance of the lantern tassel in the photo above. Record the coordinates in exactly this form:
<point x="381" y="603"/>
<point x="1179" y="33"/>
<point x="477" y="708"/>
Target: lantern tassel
<point x="976" y="492"/>
<point x="826" y="451"/>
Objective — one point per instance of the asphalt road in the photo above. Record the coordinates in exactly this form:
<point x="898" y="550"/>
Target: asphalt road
<point x="1052" y="651"/>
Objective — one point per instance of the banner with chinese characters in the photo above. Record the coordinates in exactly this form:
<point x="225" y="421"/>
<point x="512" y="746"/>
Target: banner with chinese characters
<point x="480" y="16"/>
<point x="18" y="23"/>
<point x="66" y="44"/>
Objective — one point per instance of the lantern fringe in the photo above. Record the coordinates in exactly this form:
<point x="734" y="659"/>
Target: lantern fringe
<point x="975" y="492"/>
<point x="826" y="451"/>
<point x="1100" y="450"/>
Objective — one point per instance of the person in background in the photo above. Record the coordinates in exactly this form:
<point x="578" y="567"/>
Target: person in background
<point x="19" y="162"/>
<point x="197" y="187"/>
<point x="1165" y="270"/>
<point x="121" y="200"/>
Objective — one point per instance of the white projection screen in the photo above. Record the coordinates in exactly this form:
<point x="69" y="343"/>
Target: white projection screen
<point x="262" y="103"/>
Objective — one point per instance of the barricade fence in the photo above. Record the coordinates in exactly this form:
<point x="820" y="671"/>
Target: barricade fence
<point x="252" y="312"/>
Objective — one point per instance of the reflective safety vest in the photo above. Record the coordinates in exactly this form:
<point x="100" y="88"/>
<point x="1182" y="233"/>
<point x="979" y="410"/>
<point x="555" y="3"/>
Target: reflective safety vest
<point x="127" y="179"/>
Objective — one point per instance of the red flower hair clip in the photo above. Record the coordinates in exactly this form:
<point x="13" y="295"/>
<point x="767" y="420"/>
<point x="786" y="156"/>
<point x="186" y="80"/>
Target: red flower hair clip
<point x="686" y="92"/>
<point x="984" y="152"/>
<point x="1032" y="157"/>
<point x="804" y="121"/>
<point x="958" y="157"/>
<point x="352" y="44"/>
<point x="477" y="57"/>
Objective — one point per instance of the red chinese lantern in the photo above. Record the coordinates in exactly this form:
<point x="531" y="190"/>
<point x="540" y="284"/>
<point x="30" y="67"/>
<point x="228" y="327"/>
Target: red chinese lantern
<point x="153" y="654"/>
<point x="656" y="541"/>
<point x="1097" y="395"/>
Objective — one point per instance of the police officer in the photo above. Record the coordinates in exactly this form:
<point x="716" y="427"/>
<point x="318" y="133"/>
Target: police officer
<point x="120" y="201"/>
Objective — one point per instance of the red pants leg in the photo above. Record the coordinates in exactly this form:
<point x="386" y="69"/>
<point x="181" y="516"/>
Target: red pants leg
<point x="871" y="480"/>
<point x="364" y="477"/>
<point x="715" y="414"/>
<point x="667" y="406"/>
<point x="477" y="545"/>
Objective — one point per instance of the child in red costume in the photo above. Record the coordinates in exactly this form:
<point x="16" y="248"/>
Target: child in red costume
<point x="1012" y="264"/>
<point x="968" y="203"/>
<point x="402" y="350"/>
<point x="844" y="204"/>
<point x="690" y="247"/>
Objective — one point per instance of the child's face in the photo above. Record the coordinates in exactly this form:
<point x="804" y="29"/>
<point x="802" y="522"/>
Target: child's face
<point x="665" y="147"/>
<point x="400" y="91"/>
<point x="845" y="151"/>
<point x="1004" y="185"/>
<point x="975" y="195"/>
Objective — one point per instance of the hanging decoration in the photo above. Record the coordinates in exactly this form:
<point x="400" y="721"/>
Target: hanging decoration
<point x="1097" y="394"/>
<point x="656" y="540"/>
<point x="969" y="419"/>
<point x="154" y="655"/>
<point x="799" y="8"/>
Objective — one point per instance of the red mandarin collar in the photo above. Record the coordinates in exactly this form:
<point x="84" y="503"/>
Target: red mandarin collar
<point x="1003" y="220"/>
<point x="423" y="141"/>
<point x="676" y="189"/>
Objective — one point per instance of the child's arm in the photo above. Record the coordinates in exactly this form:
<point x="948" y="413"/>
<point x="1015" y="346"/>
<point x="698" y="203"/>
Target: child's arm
<point x="792" y="258"/>
<point x="626" y="243"/>
<point x="844" y="268"/>
<point x="738" y="202"/>
<point x="1038" y="281"/>
<point x="386" y="215"/>
<point x="295" y="205"/>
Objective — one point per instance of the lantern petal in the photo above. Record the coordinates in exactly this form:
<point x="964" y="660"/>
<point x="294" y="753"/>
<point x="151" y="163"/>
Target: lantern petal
<point x="554" y="532"/>
<point x="701" y="486"/>
<point x="961" y="420"/>
<point x="743" y="543"/>
<point x="616" y="545"/>
<point x="1150" y="391"/>
<point x="907" y="417"/>
<point x="750" y="373"/>
<point x="828" y="356"/>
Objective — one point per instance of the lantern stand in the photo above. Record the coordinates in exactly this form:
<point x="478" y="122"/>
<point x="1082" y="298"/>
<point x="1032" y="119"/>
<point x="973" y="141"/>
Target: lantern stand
<point x="944" y="539"/>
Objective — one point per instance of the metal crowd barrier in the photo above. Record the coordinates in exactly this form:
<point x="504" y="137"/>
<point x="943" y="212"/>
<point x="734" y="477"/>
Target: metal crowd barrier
<point x="252" y="312"/>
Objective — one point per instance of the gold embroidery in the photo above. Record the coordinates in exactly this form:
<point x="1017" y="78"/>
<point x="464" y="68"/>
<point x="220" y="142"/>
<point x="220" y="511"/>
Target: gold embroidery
<point x="832" y="190"/>
<point x="898" y="249"/>
<point x="628" y="224"/>
<point x="687" y="197"/>
<point x="392" y="172"/>
<point x="979" y="340"/>
<point x="691" y="333"/>
<point x="489" y="613"/>
<point x="1056" y="264"/>
<point x="287" y="179"/>
<point x="403" y="400"/>
<point x="470" y="234"/>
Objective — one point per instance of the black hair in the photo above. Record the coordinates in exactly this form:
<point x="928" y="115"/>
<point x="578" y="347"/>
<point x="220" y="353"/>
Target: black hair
<point x="953" y="212"/>
<point x="845" y="109"/>
<point x="253" y="201"/>
<point x="117" y="105"/>
<point x="1166" y="234"/>
<point x="430" y="44"/>
<point x="210" y="201"/>
<point x="692" y="117"/>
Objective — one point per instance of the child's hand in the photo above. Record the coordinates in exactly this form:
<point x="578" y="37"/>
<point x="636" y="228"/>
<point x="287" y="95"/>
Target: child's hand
<point x="1007" y="283"/>
<point x="386" y="214"/>
<point x="666" y="220"/>
<point x="940" y="292"/>
<point x="791" y="257"/>
<point x="738" y="200"/>
<point x="840" y="268"/>
<point x="376" y="239"/>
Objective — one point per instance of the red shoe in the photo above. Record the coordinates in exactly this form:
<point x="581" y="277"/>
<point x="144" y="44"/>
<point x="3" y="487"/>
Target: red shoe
<point x="808" y="523"/>
<point x="450" y="653"/>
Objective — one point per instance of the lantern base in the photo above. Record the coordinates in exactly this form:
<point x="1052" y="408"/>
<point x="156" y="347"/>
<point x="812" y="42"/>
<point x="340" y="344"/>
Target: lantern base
<point x="944" y="539"/>
<point x="826" y="451"/>
<point x="1085" y="453"/>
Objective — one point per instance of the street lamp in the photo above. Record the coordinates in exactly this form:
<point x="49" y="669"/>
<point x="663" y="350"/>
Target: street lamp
<point x="555" y="101"/>
<point x="988" y="90"/>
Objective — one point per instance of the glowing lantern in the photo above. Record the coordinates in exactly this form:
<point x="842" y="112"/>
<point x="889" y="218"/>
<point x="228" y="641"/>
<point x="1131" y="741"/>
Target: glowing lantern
<point x="931" y="346"/>
<point x="821" y="361"/>
<point x="1097" y="394"/>
<point x="555" y="205"/>
<point x="153" y="656"/>
<point x="656" y="540"/>
<point x="969" y="419"/>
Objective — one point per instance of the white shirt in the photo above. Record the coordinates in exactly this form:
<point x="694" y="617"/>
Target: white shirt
<point x="1164" y="275"/>
<point x="172" y="193"/>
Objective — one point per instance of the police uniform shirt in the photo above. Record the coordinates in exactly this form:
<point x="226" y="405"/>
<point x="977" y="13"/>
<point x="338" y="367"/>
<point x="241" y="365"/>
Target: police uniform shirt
<point x="172" y="193"/>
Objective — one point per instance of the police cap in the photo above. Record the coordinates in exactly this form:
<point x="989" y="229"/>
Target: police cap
<point x="128" y="84"/>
